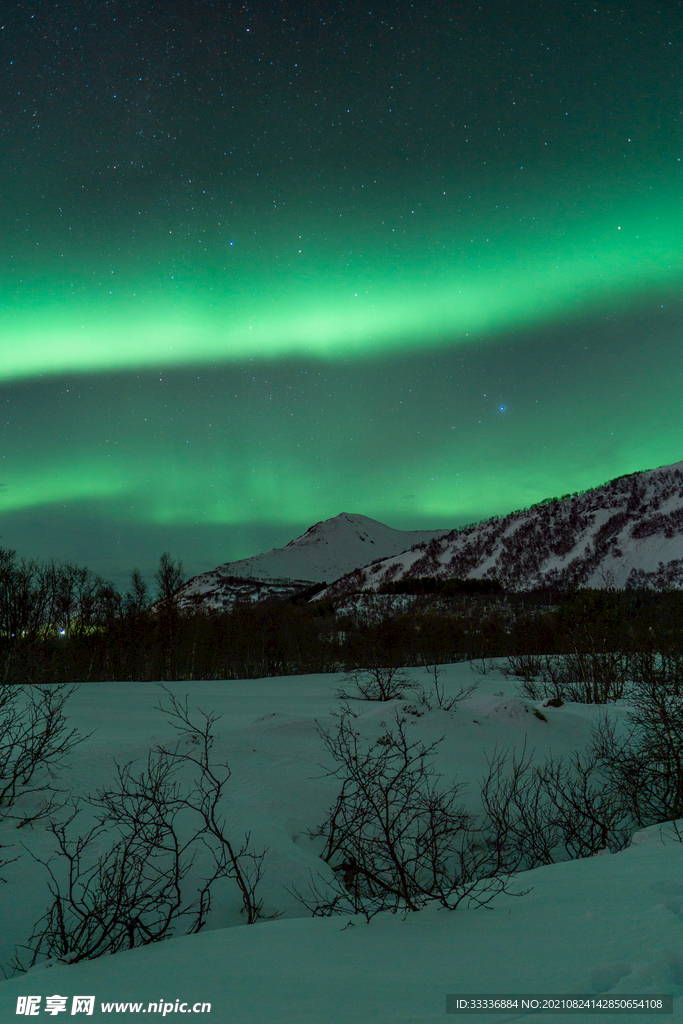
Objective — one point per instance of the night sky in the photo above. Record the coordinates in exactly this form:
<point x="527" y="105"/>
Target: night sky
<point x="263" y="263"/>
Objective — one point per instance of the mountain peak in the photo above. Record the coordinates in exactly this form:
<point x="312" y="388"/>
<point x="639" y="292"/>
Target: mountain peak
<point x="326" y="551"/>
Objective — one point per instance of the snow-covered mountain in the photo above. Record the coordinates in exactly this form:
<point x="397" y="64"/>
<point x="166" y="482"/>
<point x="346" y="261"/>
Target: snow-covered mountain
<point x="628" y="532"/>
<point x="323" y="553"/>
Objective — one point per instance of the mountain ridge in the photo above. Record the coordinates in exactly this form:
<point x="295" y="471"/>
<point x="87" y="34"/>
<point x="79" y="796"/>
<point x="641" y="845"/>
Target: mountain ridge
<point x="627" y="532"/>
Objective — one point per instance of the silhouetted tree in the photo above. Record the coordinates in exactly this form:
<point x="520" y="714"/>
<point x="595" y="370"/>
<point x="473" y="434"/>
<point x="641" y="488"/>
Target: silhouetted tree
<point x="169" y="579"/>
<point x="137" y="600"/>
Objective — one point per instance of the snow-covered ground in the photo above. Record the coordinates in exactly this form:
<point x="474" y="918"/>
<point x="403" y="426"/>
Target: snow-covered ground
<point x="604" y="926"/>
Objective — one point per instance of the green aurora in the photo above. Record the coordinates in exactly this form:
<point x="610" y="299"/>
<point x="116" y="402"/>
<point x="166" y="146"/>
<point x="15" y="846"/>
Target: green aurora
<point x="504" y="277"/>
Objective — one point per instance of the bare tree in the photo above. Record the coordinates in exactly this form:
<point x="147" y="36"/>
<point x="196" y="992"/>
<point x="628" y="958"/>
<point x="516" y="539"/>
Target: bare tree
<point x="169" y="579"/>
<point x="26" y="597"/>
<point x="137" y="600"/>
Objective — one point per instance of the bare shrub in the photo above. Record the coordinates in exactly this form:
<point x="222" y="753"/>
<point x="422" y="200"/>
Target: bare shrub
<point x="434" y="696"/>
<point x="538" y="687"/>
<point x="238" y="862"/>
<point x="482" y="666"/>
<point x="132" y="894"/>
<point x="35" y="742"/>
<point x="588" y="678"/>
<point x="657" y="670"/>
<point x="129" y="896"/>
<point x="518" y="820"/>
<point x="646" y="766"/>
<point x="385" y="682"/>
<point x="641" y="772"/>
<point x="528" y="667"/>
<point x="394" y="839"/>
<point x="597" y="677"/>
<point x="562" y="809"/>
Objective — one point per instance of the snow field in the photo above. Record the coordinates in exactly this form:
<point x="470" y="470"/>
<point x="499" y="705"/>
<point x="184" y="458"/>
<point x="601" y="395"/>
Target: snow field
<point x="606" y="925"/>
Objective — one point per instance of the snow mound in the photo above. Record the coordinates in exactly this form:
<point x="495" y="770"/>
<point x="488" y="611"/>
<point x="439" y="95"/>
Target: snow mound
<point x="487" y="705"/>
<point x="664" y="833"/>
<point x="288" y="725"/>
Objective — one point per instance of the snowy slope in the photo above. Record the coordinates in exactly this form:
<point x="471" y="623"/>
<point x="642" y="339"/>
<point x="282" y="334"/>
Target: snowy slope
<point x="626" y="532"/>
<point x="603" y="926"/>
<point x="326" y="551"/>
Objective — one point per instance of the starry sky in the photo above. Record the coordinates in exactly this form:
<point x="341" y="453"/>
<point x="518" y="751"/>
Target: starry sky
<point x="266" y="262"/>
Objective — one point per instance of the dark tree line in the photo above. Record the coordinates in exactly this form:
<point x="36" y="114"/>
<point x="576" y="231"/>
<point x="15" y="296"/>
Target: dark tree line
<point x="63" y="623"/>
